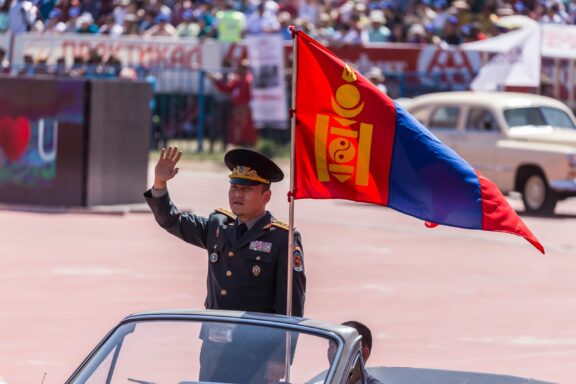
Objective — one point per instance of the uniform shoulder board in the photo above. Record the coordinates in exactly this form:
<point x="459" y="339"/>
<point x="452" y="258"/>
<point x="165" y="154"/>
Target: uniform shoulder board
<point x="226" y="212"/>
<point x="280" y="224"/>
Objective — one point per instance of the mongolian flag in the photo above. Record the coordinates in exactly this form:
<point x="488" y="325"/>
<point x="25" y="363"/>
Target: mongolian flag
<point x="353" y="142"/>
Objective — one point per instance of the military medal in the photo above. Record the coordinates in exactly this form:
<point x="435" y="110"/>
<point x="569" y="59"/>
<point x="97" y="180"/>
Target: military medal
<point x="213" y="257"/>
<point x="262" y="246"/>
<point x="298" y="264"/>
<point x="256" y="270"/>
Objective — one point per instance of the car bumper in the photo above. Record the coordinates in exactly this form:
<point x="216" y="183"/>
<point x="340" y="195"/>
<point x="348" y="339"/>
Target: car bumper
<point x="566" y="185"/>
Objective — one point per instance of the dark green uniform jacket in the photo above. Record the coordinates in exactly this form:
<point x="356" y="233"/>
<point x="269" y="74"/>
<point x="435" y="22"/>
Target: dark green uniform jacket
<point x="249" y="274"/>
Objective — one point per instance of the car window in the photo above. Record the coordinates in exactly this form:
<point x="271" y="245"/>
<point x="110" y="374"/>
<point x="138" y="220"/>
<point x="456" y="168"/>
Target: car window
<point x="538" y="117"/>
<point x="444" y="118"/>
<point x="557" y="118"/>
<point x="481" y="120"/>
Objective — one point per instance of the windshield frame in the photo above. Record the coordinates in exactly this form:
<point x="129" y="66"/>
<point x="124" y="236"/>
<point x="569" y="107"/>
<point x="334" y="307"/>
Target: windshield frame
<point x="132" y="321"/>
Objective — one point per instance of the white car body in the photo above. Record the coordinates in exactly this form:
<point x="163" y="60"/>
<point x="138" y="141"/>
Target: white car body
<point x="522" y="142"/>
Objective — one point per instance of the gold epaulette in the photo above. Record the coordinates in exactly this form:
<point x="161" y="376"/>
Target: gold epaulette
<point x="226" y="212"/>
<point x="280" y="224"/>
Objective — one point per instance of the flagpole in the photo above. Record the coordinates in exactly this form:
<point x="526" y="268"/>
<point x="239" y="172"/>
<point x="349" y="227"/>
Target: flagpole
<point x="291" y="200"/>
<point x="291" y="191"/>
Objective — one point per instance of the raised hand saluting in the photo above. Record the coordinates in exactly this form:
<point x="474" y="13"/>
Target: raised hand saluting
<point x="166" y="167"/>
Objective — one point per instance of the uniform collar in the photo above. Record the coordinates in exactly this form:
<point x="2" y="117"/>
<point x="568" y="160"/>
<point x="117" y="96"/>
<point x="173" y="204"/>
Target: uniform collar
<point x="250" y="223"/>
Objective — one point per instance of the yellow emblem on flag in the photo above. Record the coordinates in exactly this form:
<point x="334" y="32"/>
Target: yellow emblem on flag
<point x="342" y="147"/>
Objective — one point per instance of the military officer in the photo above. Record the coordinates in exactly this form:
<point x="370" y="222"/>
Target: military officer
<point x="247" y="248"/>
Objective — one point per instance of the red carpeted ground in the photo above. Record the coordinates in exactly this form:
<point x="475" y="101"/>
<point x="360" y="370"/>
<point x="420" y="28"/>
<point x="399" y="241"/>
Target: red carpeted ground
<point x="436" y="298"/>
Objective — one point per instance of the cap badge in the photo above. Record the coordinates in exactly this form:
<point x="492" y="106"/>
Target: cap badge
<point x="243" y="172"/>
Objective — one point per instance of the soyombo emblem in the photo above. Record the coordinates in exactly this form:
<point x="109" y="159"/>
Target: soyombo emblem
<point x="342" y="145"/>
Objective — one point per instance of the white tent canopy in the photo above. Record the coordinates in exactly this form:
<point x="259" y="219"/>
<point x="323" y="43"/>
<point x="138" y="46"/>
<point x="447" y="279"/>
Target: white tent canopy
<point x="558" y="41"/>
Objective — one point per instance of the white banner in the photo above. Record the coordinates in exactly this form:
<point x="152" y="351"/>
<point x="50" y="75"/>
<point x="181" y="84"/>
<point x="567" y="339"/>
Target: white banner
<point x="176" y="57"/>
<point x="558" y="41"/>
<point x="266" y="53"/>
<point x="519" y="66"/>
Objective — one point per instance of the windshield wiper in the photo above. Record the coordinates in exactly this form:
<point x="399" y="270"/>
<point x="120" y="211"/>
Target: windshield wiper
<point x="140" y="381"/>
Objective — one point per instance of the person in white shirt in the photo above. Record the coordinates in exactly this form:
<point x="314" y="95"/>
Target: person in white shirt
<point x="22" y="17"/>
<point x="262" y="21"/>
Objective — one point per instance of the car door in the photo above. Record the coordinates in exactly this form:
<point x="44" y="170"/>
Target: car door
<point x="478" y="143"/>
<point x="443" y="122"/>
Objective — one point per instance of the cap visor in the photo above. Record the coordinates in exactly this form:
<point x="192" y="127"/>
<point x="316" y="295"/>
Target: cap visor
<point x="244" y="182"/>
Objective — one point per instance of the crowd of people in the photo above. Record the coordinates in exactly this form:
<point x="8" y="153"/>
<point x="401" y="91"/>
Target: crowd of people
<point x="330" y="21"/>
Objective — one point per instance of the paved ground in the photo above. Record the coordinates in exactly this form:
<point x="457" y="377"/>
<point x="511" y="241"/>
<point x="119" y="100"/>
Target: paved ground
<point x="436" y="298"/>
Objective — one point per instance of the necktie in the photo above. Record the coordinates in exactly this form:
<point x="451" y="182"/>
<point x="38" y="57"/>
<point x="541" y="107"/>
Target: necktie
<point x="241" y="230"/>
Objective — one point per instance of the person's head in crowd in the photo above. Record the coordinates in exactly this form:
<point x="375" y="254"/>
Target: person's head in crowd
<point x="84" y="23"/>
<point x="55" y="15"/>
<point x="73" y="13"/>
<point x="416" y="34"/>
<point x="95" y="57"/>
<point x="162" y="19"/>
<point x="398" y="33"/>
<point x="377" y="18"/>
<point x="28" y="58"/>
<point x="520" y="8"/>
<point x="243" y="66"/>
<point x="375" y="75"/>
<point x="440" y="5"/>
<point x="130" y="25"/>
<point x="187" y="16"/>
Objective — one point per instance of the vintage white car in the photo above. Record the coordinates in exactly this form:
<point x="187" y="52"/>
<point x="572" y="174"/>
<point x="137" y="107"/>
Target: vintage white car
<point x="522" y="142"/>
<point x="209" y="346"/>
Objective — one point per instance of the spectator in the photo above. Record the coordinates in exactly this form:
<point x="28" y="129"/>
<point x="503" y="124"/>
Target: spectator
<point x="241" y="130"/>
<point x="28" y="66"/>
<point x="85" y="24"/>
<point x="262" y="21"/>
<point x="188" y="27"/>
<point x="54" y="22"/>
<point x="222" y="109"/>
<point x="162" y="27"/>
<point x="23" y="17"/>
<point x="110" y="27"/>
<point x="60" y="69"/>
<point x="285" y="21"/>
<point x="377" y="78"/>
<point x="308" y="10"/>
<point x="230" y="23"/>
<point x="4" y="64"/>
<point x="71" y="24"/>
<point x="377" y="32"/>
<point x="4" y="10"/>
<point x="451" y="32"/>
<point x="130" y="25"/>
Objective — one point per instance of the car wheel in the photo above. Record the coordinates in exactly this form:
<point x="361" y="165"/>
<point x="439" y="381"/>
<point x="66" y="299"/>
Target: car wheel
<point x="537" y="196"/>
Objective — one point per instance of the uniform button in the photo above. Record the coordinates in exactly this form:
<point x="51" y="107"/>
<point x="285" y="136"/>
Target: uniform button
<point x="228" y="273"/>
<point x="223" y="292"/>
<point x="230" y="253"/>
<point x="258" y="258"/>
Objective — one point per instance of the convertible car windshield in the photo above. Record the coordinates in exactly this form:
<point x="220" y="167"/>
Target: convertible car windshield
<point x="538" y="117"/>
<point x="185" y="352"/>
